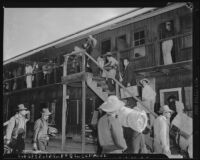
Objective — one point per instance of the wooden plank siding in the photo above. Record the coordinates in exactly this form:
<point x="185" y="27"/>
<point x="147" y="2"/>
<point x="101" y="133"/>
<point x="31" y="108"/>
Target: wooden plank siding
<point x="153" y="57"/>
<point x="175" y="80"/>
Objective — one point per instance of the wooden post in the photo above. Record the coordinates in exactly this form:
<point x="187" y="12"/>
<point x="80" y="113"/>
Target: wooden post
<point x="64" y="107"/>
<point x="83" y="106"/>
<point x="116" y="85"/>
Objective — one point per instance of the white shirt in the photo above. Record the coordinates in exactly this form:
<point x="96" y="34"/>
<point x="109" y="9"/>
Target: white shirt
<point x="161" y="132"/>
<point x="113" y="61"/>
<point x="148" y="93"/>
<point x="29" y="69"/>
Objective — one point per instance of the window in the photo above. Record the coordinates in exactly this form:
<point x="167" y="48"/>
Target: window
<point x="138" y="42"/>
<point x="139" y="38"/>
<point x="186" y="41"/>
<point x="186" y="23"/>
<point x="105" y="46"/>
<point x="121" y="43"/>
<point x="139" y="52"/>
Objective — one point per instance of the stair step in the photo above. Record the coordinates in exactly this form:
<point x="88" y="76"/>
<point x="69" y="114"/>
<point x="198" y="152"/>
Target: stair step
<point x="111" y="93"/>
<point x="98" y="78"/>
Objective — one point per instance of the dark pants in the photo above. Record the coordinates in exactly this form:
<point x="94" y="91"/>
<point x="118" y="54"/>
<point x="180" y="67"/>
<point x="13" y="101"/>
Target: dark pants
<point x="135" y="141"/>
<point x="42" y="145"/>
<point x="17" y="145"/>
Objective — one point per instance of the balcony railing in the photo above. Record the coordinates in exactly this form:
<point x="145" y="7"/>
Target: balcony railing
<point x="182" y="49"/>
<point x="38" y="79"/>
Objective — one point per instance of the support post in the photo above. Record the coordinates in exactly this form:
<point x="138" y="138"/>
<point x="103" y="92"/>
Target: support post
<point x="64" y="106"/>
<point x="83" y="106"/>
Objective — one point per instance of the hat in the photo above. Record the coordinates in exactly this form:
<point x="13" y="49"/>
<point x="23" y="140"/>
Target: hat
<point x="45" y="111"/>
<point x="142" y="80"/>
<point x="165" y="108"/>
<point x="112" y="104"/>
<point x="21" y="107"/>
<point x="108" y="54"/>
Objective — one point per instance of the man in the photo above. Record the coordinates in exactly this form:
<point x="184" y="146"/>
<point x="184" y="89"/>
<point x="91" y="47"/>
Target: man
<point x="16" y="129"/>
<point x="167" y="44"/>
<point x="89" y="46"/>
<point x="135" y="140"/>
<point x="110" y="131"/>
<point x="174" y="105"/>
<point x="148" y="98"/>
<point x="161" y="131"/>
<point x="128" y="76"/>
<point x="111" y="67"/>
<point x="28" y="72"/>
<point x="40" y="137"/>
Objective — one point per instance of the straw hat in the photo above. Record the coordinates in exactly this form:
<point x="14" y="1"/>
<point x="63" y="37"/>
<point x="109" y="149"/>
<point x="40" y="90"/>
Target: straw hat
<point x="112" y="104"/>
<point x="108" y="54"/>
<point x="45" y="111"/>
<point x="21" y="107"/>
<point x="144" y="80"/>
<point x="165" y="108"/>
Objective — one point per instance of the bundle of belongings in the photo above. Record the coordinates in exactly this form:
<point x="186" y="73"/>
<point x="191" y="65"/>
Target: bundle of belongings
<point x="184" y="126"/>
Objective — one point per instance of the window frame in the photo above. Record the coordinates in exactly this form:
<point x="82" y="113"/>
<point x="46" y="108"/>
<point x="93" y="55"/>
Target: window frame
<point x="103" y="40"/>
<point x="144" y="28"/>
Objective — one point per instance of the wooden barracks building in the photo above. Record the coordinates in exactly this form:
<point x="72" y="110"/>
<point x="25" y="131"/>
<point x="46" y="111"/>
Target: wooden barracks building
<point x="137" y="35"/>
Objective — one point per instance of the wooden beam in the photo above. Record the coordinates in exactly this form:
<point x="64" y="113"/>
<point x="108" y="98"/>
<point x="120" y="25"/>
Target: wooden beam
<point x="83" y="106"/>
<point x="74" y="77"/>
<point x="64" y="107"/>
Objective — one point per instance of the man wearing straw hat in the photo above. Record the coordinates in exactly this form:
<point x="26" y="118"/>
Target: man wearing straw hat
<point x="40" y="138"/>
<point x="110" y="131"/>
<point x="161" y="131"/>
<point x="148" y="98"/>
<point x="16" y="129"/>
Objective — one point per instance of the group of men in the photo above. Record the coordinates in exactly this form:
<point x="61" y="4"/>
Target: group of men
<point x="117" y="132"/>
<point x="16" y="130"/>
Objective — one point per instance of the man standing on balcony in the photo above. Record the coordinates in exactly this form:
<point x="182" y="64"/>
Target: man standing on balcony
<point x="167" y="44"/>
<point x="28" y="72"/>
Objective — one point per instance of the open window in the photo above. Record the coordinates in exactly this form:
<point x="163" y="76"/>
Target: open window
<point x="139" y="44"/>
<point x="121" y="42"/>
<point x="186" y="26"/>
<point x="105" y="46"/>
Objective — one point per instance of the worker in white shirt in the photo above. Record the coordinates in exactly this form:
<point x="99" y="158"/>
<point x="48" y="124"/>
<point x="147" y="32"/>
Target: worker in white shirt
<point x="161" y="131"/>
<point x="16" y="129"/>
<point x="28" y="72"/>
<point x="148" y="98"/>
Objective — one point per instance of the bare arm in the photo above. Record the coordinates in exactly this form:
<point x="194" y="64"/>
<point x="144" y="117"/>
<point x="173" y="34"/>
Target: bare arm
<point x="10" y="128"/>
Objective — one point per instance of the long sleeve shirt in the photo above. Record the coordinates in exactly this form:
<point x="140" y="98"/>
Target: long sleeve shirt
<point x="128" y="76"/>
<point x="161" y="133"/>
<point x="29" y="69"/>
<point x="110" y="134"/>
<point x="15" y="123"/>
<point x="148" y="93"/>
<point x="40" y="130"/>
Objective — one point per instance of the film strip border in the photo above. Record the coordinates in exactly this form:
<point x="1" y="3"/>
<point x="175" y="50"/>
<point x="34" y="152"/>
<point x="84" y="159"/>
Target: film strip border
<point x="83" y="156"/>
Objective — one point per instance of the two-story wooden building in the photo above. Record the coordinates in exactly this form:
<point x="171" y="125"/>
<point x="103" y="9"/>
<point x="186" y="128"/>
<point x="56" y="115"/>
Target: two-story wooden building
<point x="136" y="35"/>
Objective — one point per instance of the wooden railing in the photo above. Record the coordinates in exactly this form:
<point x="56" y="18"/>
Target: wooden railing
<point x="84" y="53"/>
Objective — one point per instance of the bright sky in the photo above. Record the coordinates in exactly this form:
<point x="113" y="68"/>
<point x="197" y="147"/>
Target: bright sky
<point x="29" y="28"/>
